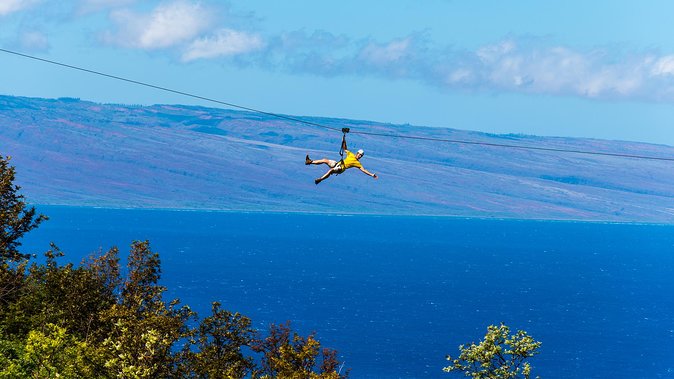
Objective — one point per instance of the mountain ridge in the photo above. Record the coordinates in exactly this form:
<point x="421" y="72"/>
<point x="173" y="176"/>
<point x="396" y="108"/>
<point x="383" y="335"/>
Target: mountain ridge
<point x="73" y="152"/>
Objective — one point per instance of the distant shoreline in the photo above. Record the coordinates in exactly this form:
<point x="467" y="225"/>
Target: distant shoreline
<point x="346" y="214"/>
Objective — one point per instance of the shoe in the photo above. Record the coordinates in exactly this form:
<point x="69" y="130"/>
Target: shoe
<point x="307" y="160"/>
<point x="317" y="181"/>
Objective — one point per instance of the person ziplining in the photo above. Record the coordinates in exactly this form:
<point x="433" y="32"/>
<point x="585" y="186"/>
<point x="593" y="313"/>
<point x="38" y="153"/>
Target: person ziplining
<point x="336" y="168"/>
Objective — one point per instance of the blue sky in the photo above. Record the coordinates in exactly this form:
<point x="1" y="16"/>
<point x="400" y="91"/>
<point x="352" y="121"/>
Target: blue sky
<point x="601" y="69"/>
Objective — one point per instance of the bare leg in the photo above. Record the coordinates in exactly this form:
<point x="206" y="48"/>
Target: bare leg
<point x="321" y="161"/>
<point x="322" y="178"/>
<point x="326" y="161"/>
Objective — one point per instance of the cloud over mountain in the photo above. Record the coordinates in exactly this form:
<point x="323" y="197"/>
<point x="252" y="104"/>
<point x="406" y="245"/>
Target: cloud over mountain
<point x="10" y="6"/>
<point x="224" y="42"/>
<point x="89" y="6"/>
<point x="511" y="65"/>
<point x="33" y="40"/>
<point x="190" y="30"/>
<point x="167" y="25"/>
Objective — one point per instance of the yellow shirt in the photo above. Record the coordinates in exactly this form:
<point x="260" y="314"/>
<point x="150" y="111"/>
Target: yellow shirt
<point x="351" y="161"/>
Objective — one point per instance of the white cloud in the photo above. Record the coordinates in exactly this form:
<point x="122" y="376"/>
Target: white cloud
<point x="533" y="66"/>
<point x="168" y="25"/>
<point x="225" y="42"/>
<point x="663" y="66"/>
<point x="491" y="53"/>
<point x="519" y="65"/>
<point x="11" y="6"/>
<point x="392" y="52"/>
<point x="394" y="58"/>
<point x="90" y="6"/>
<point x="458" y="76"/>
<point x="33" y="41"/>
<point x="560" y="70"/>
<point x="318" y="52"/>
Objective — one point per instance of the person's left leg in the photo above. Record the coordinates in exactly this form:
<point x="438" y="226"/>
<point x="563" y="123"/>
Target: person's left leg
<point x="325" y="176"/>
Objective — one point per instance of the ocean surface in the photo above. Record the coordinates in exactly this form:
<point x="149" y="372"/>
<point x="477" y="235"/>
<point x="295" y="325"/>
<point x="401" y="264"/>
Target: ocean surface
<point x="395" y="295"/>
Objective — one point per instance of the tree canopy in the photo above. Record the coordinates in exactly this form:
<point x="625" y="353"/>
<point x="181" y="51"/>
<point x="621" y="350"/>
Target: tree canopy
<point x="16" y="217"/>
<point x="500" y="355"/>
<point x="90" y="320"/>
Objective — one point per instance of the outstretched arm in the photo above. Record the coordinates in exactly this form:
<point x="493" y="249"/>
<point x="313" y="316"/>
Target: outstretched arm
<point x="344" y="143"/>
<point x="369" y="173"/>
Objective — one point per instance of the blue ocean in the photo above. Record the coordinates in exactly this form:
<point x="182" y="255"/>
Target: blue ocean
<point x="395" y="295"/>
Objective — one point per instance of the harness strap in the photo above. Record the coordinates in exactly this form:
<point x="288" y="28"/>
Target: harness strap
<point x="341" y="147"/>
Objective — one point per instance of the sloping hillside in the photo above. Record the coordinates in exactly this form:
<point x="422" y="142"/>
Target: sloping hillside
<point x="74" y="152"/>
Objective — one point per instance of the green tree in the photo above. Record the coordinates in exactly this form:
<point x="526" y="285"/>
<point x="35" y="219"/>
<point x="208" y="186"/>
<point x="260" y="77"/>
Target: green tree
<point x="84" y="321"/>
<point x="141" y="290"/>
<point x="16" y="218"/>
<point x="51" y="353"/>
<point x="288" y="355"/>
<point x="68" y="296"/>
<point x="145" y="331"/>
<point x="499" y="356"/>
<point x="217" y="348"/>
<point x="12" y="278"/>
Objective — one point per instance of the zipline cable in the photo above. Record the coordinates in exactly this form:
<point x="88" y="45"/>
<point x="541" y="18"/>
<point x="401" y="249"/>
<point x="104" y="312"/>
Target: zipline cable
<point x="166" y="89"/>
<point x="559" y="150"/>
<point x="519" y="146"/>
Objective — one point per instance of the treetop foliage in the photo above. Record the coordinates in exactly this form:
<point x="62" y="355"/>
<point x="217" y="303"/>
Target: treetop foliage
<point x="16" y="218"/>
<point x="90" y="321"/>
<point x="499" y="355"/>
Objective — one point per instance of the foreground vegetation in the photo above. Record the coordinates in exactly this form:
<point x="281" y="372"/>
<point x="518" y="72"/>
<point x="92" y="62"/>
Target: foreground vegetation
<point x="92" y="321"/>
<point x="500" y="355"/>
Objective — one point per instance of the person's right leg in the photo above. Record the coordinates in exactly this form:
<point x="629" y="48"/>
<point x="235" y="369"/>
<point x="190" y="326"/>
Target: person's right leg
<point x="326" y="161"/>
